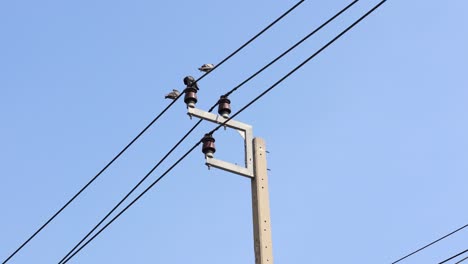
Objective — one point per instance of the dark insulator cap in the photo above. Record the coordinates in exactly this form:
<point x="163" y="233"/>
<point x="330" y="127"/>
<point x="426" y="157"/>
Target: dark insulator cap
<point x="224" y="106"/>
<point x="208" y="147"/>
<point x="190" y="96"/>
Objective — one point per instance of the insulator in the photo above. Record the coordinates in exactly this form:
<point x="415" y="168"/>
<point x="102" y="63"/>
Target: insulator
<point x="208" y="147"/>
<point x="224" y="106"/>
<point x="190" y="96"/>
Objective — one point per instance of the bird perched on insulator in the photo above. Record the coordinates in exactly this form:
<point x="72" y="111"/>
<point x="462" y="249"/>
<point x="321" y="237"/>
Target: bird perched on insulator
<point x="206" y="67"/>
<point x="190" y="82"/>
<point x="172" y="95"/>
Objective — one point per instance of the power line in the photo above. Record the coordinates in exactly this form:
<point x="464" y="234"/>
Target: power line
<point x="196" y="125"/>
<point x="299" y="66"/>
<point x="143" y="131"/>
<point x="132" y="202"/>
<point x="462" y="260"/>
<point x="214" y="130"/>
<point x="430" y="244"/>
<point x="253" y="38"/>
<point x="293" y="47"/>
<point x="89" y="182"/>
<point x="452" y="257"/>
<point x="130" y="192"/>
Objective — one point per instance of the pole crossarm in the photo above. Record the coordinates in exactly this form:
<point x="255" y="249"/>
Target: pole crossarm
<point x="227" y="166"/>
<point x="255" y="169"/>
<point x="247" y="134"/>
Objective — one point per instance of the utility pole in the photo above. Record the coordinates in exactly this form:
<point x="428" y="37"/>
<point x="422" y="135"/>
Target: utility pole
<point x="261" y="205"/>
<point x="255" y="168"/>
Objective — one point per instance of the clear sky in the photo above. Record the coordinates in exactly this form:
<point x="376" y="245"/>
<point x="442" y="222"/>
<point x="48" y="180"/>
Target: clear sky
<point x="368" y="142"/>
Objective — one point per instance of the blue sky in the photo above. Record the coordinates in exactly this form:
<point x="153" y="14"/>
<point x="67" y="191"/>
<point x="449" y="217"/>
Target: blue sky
<point x="368" y="142"/>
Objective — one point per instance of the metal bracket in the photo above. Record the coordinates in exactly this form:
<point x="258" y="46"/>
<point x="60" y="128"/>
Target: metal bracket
<point x="246" y="133"/>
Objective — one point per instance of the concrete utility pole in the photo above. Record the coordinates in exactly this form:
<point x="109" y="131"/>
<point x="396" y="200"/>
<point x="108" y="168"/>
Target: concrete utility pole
<point x="255" y="168"/>
<point x="261" y="206"/>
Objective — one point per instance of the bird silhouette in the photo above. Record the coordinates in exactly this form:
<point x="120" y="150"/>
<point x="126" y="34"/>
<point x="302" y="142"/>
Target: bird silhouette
<point x="172" y="95"/>
<point x="206" y="67"/>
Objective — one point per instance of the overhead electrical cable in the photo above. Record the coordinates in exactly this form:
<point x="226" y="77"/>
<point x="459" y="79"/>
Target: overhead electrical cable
<point x="299" y="66"/>
<point x="462" y="260"/>
<point x="143" y="131"/>
<point x="430" y="244"/>
<point x="252" y="39"/>
<point x="132" y="202"/>
<point x="129" y="193"/>
<point x="89" y="183"/>
<point x="292" y="47"/>
<point x="452" y="257"/>
<point x="198" y="123"/>
<point x="222" y="124"/>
